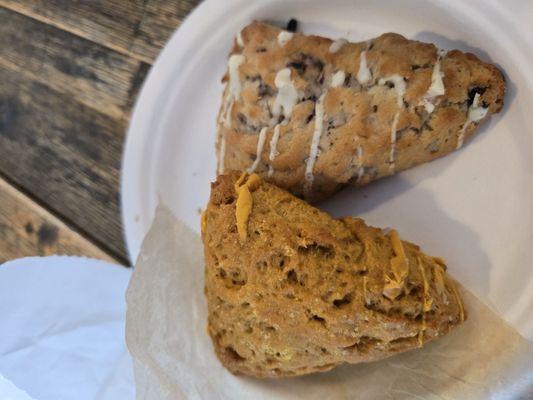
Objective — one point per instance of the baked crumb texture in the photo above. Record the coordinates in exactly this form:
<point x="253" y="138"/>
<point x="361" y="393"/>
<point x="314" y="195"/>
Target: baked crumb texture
<point x="311" y="115"/>
<point x="301" y="292"/>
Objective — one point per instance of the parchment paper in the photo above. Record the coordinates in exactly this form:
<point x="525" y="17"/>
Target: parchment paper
<point x="174" y="358"/>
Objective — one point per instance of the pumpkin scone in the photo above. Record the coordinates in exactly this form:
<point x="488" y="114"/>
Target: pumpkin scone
<point x="312" y="115"/>
<point x="292" y="291"/>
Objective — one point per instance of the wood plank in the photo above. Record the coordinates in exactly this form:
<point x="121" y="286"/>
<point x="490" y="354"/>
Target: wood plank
<point x="108" y="22"/>
<point x="87" y="72"/>
<point x="29" y="230"/>
<point x="65" y="154"/>
<point x="138" y="28"/>
<point x="160" y="20"/>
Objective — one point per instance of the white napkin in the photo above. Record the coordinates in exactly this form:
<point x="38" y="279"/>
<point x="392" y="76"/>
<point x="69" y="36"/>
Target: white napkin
<point x="8" y="391"/>
<point x="62" y="328"/>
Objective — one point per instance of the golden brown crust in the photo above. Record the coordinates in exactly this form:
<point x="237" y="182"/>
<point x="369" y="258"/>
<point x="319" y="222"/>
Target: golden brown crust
<point x="356" y="115"/>
<point x="306" y="292"/>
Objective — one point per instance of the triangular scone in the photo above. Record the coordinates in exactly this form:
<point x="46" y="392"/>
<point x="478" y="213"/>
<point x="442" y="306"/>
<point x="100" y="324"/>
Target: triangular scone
<point x="311" y="115"/>
<point x="292" y="291"/>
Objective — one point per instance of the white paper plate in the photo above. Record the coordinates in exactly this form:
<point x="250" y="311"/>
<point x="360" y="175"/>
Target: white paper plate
<point x="474" y="207"/>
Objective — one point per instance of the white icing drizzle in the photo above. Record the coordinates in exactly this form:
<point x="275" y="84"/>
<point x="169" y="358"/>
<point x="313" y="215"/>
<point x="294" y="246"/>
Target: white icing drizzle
<point x="437" y="85"/>
<point x="287" y="94"/>
<point x="226" y="112"/>
<point x="436" y="88"/>
<point x="475" y="114"/>
<point x="283" y="104"/>
<point x="392" y="153"/>
<point x="337" y="44"/>
<point x="399" y="86"/>
<point x="284" y="37"/>
<point x="234" y="88"/>
<point x="234" y="63"/>
<point x="260" y="145"/>
<point x="313" y="151"/>
<point x="428" y="105"/>
<point x="234" y="92"/>
<point x="240" y="42"/>
<point x="338" y="79"/>
<point x="363" y="75"/>
<point x="273" y="148"/>
<point x="221" y="155"/>
<point x="361" y="169"/>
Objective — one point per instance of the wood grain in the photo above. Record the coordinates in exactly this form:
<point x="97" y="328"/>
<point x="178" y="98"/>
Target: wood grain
<point x="160" y="19"/>
<point x="70" y="73"/>
<point x="65" y="154"/>
<point x="109" y="22"/>
<point x="137" y="28"/>
<point x="28" y="230"/>
<point x="87" y="72"/>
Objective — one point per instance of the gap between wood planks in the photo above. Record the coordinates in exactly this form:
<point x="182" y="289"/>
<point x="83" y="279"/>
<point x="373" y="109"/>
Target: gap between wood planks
<point x="69" y="126"/>
<point x="63" y="154"/>
<point x="87" y="72"/>
<point x="38" y="232"/>
<point x="112" y="112"/>
<point x="22" y="9"/>
<point x="57" y="143"/>
<point x="136" y="28"/>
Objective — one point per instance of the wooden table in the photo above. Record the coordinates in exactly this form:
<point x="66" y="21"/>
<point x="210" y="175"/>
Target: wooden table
<point x="70" y="71"/>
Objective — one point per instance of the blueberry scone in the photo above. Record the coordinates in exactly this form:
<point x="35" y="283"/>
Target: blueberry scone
<point x="291" y="291"/>
<point x="312" y="115"/>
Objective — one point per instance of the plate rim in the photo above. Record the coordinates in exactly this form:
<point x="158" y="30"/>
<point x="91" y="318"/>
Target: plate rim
<point x="142" y="115"/>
